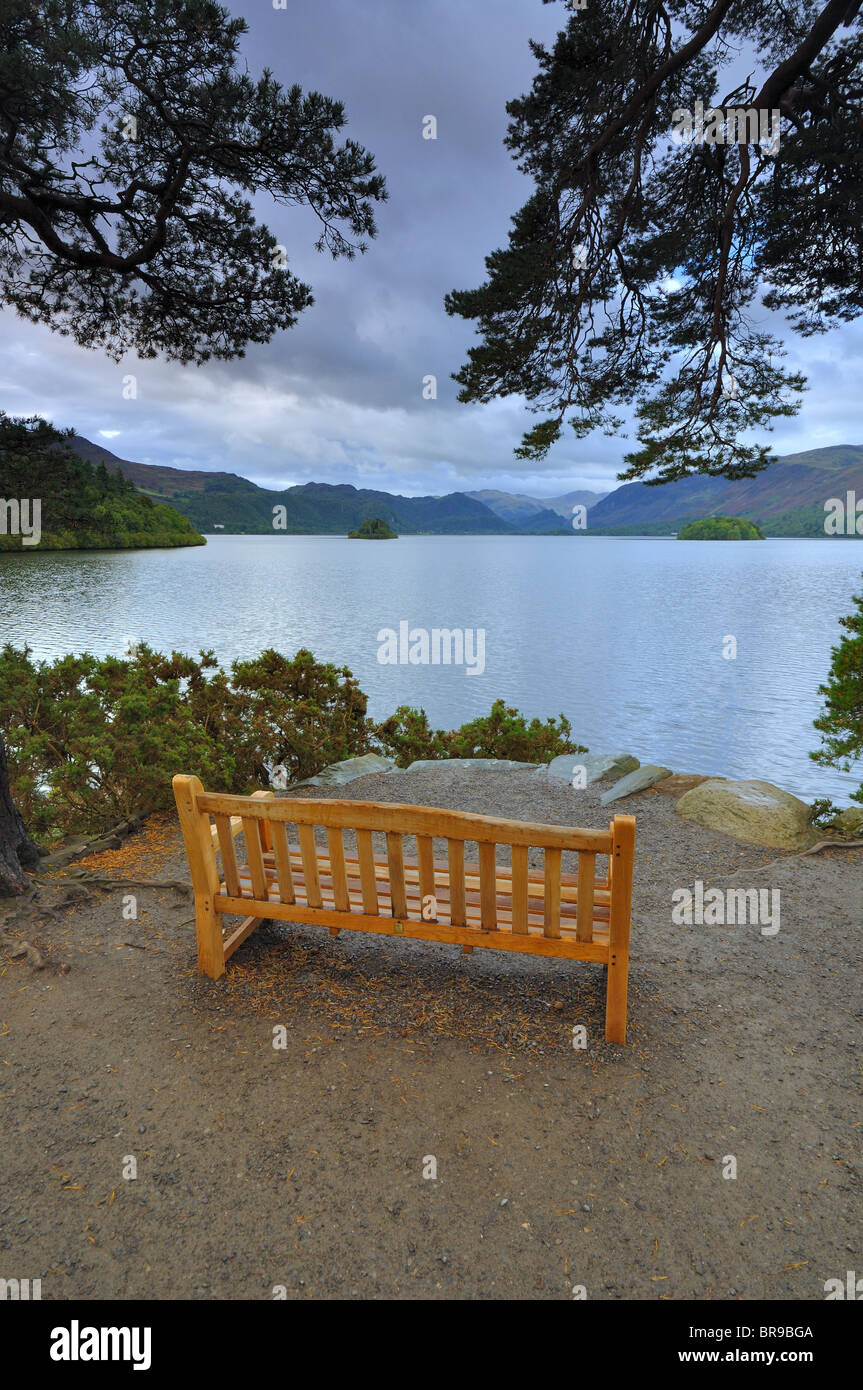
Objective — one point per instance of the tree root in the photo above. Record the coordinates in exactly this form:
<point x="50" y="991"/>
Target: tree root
<point x="109" y="884"/>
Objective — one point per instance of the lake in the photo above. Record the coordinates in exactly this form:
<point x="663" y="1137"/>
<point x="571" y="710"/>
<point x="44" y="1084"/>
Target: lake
<point x="624" y="635"/>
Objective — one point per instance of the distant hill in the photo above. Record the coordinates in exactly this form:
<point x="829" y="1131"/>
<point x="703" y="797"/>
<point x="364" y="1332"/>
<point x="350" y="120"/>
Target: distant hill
<point x="224" y="501"/>
<point x="523" y="510"/>
<point x="786" y="499"/>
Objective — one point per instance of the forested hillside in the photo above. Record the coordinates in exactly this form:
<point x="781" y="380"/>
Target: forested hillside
<point x="79" y="505"/>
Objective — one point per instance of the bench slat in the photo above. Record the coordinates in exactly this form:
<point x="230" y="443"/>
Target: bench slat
<point x="551" y="926"/>
<point x="519" y="888"/>
<point x="535" y="942"/>
<point x="425" y="871"/>
<point x="308" y="850"/>
<point x="503" y="875"/>
<point x="255" y="856"/>
<point x="395" y="858"/>
<point x="586" y="871"/>
<point x="284" y="871"/>
<point x="366" y="860"/>
<point x="335" y="840"/>
<point x="229" y="859"/>
<point x="487" y="887"/>
<point x="455" y="858"/>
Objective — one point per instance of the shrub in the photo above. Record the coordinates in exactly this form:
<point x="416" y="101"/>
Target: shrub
<point x="94" y="740"/>
<point x="406" y="737"/>
<point x="504" y="733"/>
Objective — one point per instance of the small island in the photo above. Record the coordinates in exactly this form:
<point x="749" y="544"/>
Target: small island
<point x="373" y="529"/>
<point x="721" y="528"/>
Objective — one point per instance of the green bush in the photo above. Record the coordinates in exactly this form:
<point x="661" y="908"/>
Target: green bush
<point x="502" y="733"/>
<point x="406" y="737"/>
<point x="91" y="741"/>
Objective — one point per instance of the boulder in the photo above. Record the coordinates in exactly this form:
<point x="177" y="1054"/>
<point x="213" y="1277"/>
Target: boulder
<point x="597" y="766"/>
<point x="756" y="812"/>
<point x="337" y="774"/>
<point x="849" y="821"/>
<point x="637" y="781"/>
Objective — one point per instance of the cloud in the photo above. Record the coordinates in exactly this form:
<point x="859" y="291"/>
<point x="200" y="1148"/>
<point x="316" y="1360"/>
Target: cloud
<point x="339" y="398"/>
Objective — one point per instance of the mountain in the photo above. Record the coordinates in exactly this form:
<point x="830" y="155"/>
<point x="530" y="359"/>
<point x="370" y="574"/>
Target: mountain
<point x="224" y="501"/>
<point x="786" y="499"/>
<point x="522" y="510"/>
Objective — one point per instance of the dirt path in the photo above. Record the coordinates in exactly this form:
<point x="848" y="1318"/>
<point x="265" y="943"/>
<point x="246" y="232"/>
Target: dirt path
<point x="303" y="1167"/>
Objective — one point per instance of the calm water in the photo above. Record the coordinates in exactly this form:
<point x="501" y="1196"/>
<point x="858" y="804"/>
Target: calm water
<point x="623" y="635"/>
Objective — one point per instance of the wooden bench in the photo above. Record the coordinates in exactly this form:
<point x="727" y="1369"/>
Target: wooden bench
<point x="506" y="907"/>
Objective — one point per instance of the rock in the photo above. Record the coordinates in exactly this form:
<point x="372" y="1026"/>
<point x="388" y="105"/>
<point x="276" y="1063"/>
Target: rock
<point x="849" y="821"/>
<point x="637" y="781"/>
<point x="467" y="764"/>
<point x="680" y="782"/>
<point x="755" y="812"/>
<point x="597" y="766"/>
<point x="337" y="774"/>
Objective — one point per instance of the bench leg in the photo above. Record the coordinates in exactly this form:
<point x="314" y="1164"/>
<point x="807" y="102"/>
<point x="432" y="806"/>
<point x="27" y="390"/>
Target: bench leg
<point x="617" y="980"/>
<point x="211" y="952"/>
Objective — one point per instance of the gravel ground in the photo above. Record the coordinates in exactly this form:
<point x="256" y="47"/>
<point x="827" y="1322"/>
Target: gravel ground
<point x="556" y="1168"/>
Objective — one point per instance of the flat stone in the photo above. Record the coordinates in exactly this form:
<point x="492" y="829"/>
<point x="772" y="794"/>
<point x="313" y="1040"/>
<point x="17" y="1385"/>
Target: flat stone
<point x="337" y="774"/>
<point x="597" y="766"/>
<point x="466" y="764"/>
<point x="755" y="812"/>
<point x="637" y="781"/>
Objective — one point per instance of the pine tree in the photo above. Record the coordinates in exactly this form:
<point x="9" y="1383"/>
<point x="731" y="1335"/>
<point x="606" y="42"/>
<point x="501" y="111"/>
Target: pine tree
<point x="133" y="144"/>
<point x="841" y="722"/>
<point x="633" y="272"/>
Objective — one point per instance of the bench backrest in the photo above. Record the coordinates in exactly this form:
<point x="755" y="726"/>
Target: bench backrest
<point x="264" y="820"/>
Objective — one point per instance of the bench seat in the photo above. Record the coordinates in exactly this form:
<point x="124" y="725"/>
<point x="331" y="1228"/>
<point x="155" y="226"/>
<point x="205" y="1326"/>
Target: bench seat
<point x="503" y="897"/>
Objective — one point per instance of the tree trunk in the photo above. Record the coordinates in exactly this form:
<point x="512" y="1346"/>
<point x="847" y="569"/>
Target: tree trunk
<point x="17" y="851"/>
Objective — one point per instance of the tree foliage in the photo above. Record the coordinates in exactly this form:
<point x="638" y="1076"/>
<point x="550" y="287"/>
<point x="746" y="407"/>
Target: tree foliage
<point x="373" y="529"/>
<point x="721" y="528"/>
<point x="92" y="741"/>
<point x="132" y="146"/>
<point x="502" y="733"/>
<point x="841" y="721"/>
<point x="633" y="271"/>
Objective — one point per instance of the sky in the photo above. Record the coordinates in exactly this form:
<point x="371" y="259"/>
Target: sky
<point x="339" y="398"/>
